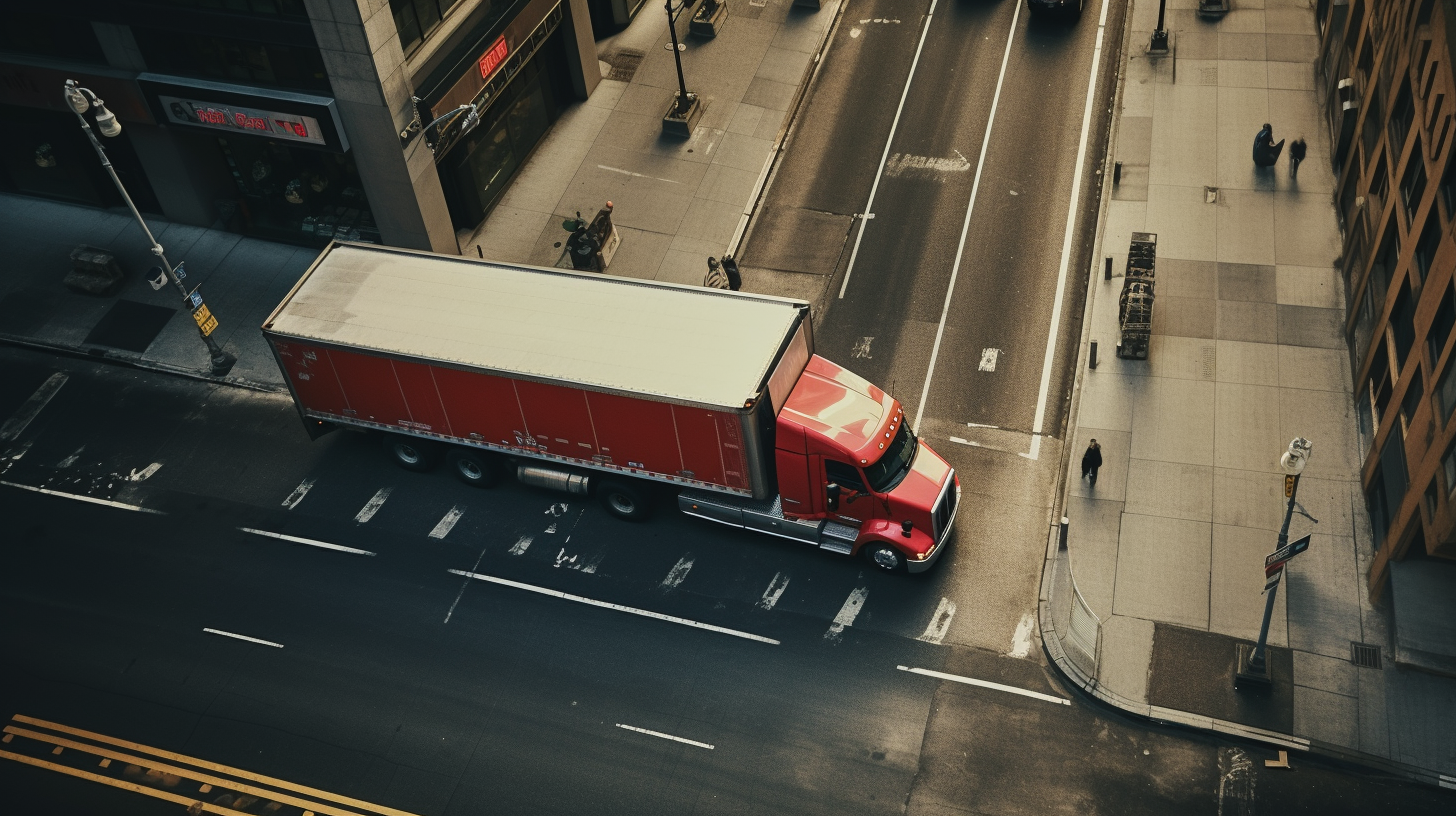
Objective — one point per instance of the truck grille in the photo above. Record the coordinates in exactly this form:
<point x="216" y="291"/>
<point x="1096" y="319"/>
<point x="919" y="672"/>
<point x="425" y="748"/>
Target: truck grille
<point x="945" y="507"/>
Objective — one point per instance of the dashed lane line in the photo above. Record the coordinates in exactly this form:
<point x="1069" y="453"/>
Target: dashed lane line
<point x="775" y="591"/>
<point x="298" y="493"/>
<point x="678" y="573"/>
<point x="372" y="506"/>
<point x="243" y="637"/>
<point x="447" y="523"/>
<point x="971" y="681"/>
<point x="939" y="622"/>
<point x="21" y="419"/>
<point x="683" y="740"/>
<point x="617" y="607"/>
<point x="88" y="499"/>
<point x="308" y="541"/>
<point x="847" y="613"/>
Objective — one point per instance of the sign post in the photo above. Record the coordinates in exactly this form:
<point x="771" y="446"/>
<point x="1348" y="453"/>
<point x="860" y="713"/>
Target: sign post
<point x="1252" y="666"/>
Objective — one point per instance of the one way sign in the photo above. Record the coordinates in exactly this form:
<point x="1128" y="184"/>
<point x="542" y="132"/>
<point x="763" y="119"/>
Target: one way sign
<point x="1276" y="560"/>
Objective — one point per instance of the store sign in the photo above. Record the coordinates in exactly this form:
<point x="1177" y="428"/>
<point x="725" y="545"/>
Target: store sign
<point x="494" y="57"/>
<point x="290" y="126"/>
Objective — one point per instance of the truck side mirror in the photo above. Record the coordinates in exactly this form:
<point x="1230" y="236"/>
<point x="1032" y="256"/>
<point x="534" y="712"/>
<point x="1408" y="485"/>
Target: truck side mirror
<point x="831" y="490"/>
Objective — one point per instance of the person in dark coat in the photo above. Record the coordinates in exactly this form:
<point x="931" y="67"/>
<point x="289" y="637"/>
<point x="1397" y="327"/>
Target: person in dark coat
<point x="1297" y="150"/>
<point x="1266" y="150"/>
<point x="1091" y="460"/>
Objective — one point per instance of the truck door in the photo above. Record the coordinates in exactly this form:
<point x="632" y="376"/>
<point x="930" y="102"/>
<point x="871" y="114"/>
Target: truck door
<point x="855" y="504"/>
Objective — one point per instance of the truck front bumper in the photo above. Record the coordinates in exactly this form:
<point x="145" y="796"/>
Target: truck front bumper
<point x="914" y="566"/>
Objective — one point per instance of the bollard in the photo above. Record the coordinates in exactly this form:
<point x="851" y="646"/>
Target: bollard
<point x="479" y="252"/>
<point x="1107" y="269"/>
<point x="1092" y="357"/>
<point x="1062" y="535"/>
<point x="1116" y="173"/>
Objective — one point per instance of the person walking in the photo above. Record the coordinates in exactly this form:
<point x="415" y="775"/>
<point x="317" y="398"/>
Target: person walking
<point x="1091" y="460"/>
<point x="1266" y="150"/>
<point x="715" y="279"/>
<point x="1297" y="150"/>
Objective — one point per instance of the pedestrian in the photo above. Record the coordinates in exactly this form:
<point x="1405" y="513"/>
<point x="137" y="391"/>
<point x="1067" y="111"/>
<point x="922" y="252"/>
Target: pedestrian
<point x="1297" y="149"/>
<point x="715" y="279"/>
<point x="730" y="268"/>
<point x="1266" y="150"/>
<point x="1091" y="460"/>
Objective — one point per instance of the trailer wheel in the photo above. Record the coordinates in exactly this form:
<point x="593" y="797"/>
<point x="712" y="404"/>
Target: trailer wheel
<point x="885" y="557"/>
<point x="475" y="468"/>
<point x="409" y="453"/>
<point x="624" y="500"/>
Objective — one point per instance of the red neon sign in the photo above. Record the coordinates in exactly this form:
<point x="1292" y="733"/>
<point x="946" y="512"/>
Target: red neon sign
<point x="494" y="57"/>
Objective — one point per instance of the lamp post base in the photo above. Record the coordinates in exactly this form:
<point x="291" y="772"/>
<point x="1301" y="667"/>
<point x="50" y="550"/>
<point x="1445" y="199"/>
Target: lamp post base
<point x="680" y="120"/>
<point x="1160" y="44"/>
<point x="1247" y="675"/>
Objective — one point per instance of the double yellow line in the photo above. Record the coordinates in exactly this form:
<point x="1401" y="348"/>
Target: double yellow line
<point x="201" y="786"/>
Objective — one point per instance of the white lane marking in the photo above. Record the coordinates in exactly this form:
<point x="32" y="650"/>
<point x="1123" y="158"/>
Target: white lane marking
<point x="298" y="493"/>
<point x="884" y="157"/>
<point x="958" y="440"/>
<point x="591" y="566"/>
<point x="617" y="607"/>
<point x="309" y="541"/>
<point x="966" y="225"/>
<point x="104" y="502"/>
<point x="372" y="506"/>
<point x="1035" y="451"/>
<point x="463" y="585"/>
<point x="988" y="359"/>
<point x="665" y="736"/>
<point x="145" y="473"/>
<point x="21" y="451"/>
<point x="556" y="510"/>
<point x="979" y="425"/>
<point x="447" y="523"/>
<point x="854" y="33"/>
<point x="17" y="423"/>
<point x="520" y="546"/>
<point x="901" y="164"/>
<point x="678" y="573"/>
<point x="861" y="349"/>
<point x="1051" y="347"/>
<point x="939" y="622"/>
<point x="563" y="558"/>
<point x="879" y="20"/>
<point x="1021" y="638"/>
<point x="971" y="681"/>
<point x="635" y="175"/>
<point x="244" y="637"/>
<point x="847" y="613"/>
<point x="69" y="460"/>
<point x="775" y="591"/>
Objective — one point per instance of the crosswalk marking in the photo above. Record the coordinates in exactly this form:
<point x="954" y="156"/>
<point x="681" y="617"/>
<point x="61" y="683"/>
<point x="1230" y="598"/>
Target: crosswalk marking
<point x="847" y="613"/>
<point x="939" y="622"/>
<point x="521" y="544"/>
<point x="775" y="591"/>
<point x="678" y="573"/>
<point x="372" y="506"/>
<point x="21" y="419"/>
<point x="298" y="493"/>
<point x="447" y="523"/>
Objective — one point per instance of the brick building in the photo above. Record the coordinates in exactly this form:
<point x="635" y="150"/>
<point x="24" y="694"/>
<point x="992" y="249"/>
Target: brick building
<point x="1386" y="67"/>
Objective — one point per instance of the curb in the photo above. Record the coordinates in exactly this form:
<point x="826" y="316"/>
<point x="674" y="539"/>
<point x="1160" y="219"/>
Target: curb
<point x="99" y="355"/>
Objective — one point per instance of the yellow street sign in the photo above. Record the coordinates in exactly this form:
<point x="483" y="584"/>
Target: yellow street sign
<point x="1288" y="483"/>
<point x="205" y="321"/>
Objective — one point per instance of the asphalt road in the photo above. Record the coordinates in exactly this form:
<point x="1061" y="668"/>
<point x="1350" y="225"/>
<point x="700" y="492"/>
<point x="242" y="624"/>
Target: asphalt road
<point x="388" y="679"/>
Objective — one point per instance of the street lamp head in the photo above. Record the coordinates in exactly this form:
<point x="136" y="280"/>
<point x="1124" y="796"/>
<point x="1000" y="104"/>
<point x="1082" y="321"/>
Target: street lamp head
<point x="106" y="121"/>
<point x="1294" y="459"/>
<point x="76" y="100"/>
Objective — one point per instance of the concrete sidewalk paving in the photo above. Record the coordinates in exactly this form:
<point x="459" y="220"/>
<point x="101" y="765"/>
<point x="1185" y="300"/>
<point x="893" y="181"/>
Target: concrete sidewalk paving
<point x="1248" y="351"/>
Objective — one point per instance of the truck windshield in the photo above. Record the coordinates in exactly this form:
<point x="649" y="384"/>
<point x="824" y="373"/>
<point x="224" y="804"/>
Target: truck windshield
<point x="892" y="467"/>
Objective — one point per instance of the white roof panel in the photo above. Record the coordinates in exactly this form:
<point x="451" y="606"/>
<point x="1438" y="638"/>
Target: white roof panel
<point x="618" y="334"/>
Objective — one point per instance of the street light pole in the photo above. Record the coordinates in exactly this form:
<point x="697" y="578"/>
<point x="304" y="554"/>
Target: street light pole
<point x="683" y="97"/>
<point x="1256" y="666"/>
<point x="1159" y="41"/>
<point x="79" y="100"/>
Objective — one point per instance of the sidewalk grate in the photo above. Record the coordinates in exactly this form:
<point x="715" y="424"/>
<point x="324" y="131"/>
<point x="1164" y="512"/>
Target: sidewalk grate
<point x="624" y="64"/>
<point x="1365" y="655"/>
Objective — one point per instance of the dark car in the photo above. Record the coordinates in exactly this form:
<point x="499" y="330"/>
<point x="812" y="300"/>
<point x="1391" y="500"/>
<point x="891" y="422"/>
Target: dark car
<point x="1066" y="7"/>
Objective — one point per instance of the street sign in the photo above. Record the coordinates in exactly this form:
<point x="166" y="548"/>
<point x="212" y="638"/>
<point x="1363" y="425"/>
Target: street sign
<point x="1289" y="487"/>
<point x="181" y="271"/>
<point x="1274" y="579"/>
<point x="1275" y="560"/>
<point x="205" y="321"/>
<point x="196" y="298"/>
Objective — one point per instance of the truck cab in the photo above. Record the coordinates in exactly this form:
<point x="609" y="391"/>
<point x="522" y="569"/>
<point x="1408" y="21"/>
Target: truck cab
<point x="852" y="476"/>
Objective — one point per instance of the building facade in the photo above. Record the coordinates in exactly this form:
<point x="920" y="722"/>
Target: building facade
<point x="292" y="119"/>
<point x="1386" y="69"/>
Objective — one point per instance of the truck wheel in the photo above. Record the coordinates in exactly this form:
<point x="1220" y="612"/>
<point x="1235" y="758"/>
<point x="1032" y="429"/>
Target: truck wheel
<point x="624" y="500"/>
<point x="885" y="557"/>
<point x="475" y="468"/>
<point x="409" y="453"/>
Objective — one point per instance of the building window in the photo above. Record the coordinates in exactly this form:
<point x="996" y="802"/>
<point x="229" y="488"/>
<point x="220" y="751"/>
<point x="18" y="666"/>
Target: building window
<point x="1387" y="489"/>
<point x="223" y="58"/>
<point x="1448" y="188"/>
<point x="1403" y="325"/>
<point x="416" y="19"/>
<point x="1401" y="117"/>
<point x="50" y="33"/>
<point x="1442" y="324"/>
<point x="1427" y="246"/>
<point x="1411" y="402"/>
<point x="1447" y="395"/>
<point x="1448" y="469"/>
<point x="1413" y="183"/>
<point x="1431" y="501"/>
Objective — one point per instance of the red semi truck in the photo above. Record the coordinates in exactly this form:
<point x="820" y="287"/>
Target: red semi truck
<point x="599" y="385"/>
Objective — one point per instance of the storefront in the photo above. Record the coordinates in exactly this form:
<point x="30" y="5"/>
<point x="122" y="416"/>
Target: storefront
<point x="520" y="82"/>
<point x="293" y="176"/>
<point x="44" y="152"/>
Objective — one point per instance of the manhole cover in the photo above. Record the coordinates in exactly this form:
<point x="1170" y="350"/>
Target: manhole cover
<point x="1364" y="655"/>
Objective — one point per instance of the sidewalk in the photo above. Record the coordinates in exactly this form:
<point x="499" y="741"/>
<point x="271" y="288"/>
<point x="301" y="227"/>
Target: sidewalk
<point x="1248" y="352"/>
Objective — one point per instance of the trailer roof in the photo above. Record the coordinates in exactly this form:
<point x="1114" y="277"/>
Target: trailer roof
<point x="618" y="334"/>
